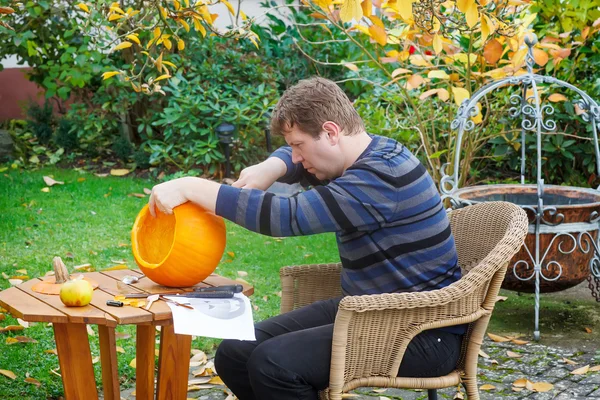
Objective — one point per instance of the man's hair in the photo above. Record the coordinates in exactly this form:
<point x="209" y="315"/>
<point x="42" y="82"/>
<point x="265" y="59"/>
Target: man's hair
<point x="312" y="102"/>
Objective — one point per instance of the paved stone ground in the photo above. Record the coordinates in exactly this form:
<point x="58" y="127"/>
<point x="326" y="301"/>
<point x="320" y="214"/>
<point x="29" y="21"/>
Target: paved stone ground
<point x="539" y="363"/>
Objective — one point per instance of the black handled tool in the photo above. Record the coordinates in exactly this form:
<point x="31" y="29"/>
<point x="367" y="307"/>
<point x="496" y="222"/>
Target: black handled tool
<point x="217" y="294"/>
<point x="224" y="288"/>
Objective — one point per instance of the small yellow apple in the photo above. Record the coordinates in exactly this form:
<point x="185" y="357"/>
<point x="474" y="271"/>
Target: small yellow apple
<point x="76" y="293"/>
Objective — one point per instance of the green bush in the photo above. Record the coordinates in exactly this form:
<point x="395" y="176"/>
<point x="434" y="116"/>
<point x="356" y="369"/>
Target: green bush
<point x="66" y="135"/>
<point x="222" y="83"/>
<point x="41" y="121"/>
<point x="122" y="148"/>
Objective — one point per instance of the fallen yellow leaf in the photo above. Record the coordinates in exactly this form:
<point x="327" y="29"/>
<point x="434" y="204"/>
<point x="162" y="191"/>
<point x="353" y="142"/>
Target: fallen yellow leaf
<point x="581" y="371"/>
<point x="570" y="362"/>
<point x="512" y="354"/>
<point x="498" y="338"/>
<point x="132" y="364"/>
<point x="520" y="342"/>
<point x="215" y="380"/>
<point x="487" y="386"/>
<point x="11" y="328"/>
<point x="595" y="368"/>
<point x="119" y="172"/>
<point x="33" y="381"/>
<point x="8" y="374"/>
<point x="542" y="387"/>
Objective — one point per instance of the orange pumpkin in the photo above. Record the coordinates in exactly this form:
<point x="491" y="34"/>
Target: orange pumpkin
<point x="180" y="249"/>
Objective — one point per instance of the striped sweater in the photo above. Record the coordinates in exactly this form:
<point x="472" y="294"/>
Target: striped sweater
<point x="392" y="231"/>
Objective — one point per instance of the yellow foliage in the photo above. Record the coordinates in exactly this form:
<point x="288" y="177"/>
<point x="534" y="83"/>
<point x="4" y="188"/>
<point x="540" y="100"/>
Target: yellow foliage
<point x="229" y="7"/>
<point x="367" y="7"/>
<point x="350" y="10"/>
<point x="324" y="4"/>
<point x="124" y="45"/>
<point x="199" y="28"/>
<point x="437" y="44"/>
<point x="487" y="27"/>
<point x="363" y="29"/>
<point x="438" y="74"/>
<point x="378" y="33"/>
<point x="472" y="14"/>
<point x="185" y="25"/>
<point x="464" y="5"/>
<point x="460" y="94"/>
<point x="108" y="75"/>
<point x="115" y="8"/>
<point x="134" y="38"/>
<point x="160" y="78"/>
<point x="84" y="7"/>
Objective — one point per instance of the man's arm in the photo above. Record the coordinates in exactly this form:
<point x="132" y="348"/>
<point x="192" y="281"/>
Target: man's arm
<point x="357" y="201"/>
<point x="168" y="195"/>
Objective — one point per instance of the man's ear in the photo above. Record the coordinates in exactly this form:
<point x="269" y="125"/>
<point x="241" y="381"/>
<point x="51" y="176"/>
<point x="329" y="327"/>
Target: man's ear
<point x="333" y="132"/>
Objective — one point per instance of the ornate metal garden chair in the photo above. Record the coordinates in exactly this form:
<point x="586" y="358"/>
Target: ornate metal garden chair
<point x="372" y="332"/>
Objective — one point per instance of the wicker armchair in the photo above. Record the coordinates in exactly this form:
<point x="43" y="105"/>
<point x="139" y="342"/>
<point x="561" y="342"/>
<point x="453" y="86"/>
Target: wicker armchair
<point x="372" y="332"/>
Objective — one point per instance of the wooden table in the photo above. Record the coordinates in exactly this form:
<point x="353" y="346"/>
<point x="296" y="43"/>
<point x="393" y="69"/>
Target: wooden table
<point x="73" y="346"/>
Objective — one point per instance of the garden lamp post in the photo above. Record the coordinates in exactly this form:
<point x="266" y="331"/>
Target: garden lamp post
<point x="268" y="132"/>
<point x="225" y="132"/>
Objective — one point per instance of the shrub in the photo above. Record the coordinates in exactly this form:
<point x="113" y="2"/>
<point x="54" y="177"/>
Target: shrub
<point x="41" y="121"/>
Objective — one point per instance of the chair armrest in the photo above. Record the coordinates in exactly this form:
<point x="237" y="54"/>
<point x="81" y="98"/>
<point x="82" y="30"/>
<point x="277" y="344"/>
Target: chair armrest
<point x="304" y="284"/>
<point x="371" y="332"/>
<point x="409" y="300"/>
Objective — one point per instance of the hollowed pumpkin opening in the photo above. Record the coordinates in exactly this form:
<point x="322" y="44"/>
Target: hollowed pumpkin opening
<point x="155" y="238"/>
<point x="178" y="250"/>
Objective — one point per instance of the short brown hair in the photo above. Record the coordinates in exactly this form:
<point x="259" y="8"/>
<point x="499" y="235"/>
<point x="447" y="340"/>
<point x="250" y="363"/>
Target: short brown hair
<point x="312" y="102"/>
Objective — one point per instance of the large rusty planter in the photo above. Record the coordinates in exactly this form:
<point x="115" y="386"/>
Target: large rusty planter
<point x="576" y="212"/>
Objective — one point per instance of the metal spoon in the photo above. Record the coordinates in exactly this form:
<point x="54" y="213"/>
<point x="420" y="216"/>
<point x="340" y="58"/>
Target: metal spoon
<point x="131" y="279"/>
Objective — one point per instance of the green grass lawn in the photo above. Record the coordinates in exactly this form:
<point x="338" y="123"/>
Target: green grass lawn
<point x="88" y="220"/>
<point x="91" y="221"/>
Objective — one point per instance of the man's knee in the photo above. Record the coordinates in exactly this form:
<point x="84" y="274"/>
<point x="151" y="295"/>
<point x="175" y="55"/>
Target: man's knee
<point x="262" y="361"/>
<point x="229" y="350"/>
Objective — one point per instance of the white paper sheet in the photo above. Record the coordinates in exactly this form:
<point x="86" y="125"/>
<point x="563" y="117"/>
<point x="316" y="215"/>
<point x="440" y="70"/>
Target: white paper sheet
<point x="217" y="318"/>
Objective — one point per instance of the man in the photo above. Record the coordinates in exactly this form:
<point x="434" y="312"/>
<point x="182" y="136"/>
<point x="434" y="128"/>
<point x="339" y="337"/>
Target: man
<point x="392" y="231"/>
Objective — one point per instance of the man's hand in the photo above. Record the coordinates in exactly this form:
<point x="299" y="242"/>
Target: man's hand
<point x="261" y="176"/>
<point x="168" y="195"/>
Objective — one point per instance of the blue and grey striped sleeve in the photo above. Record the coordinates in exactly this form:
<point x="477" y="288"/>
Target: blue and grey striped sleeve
<point x="294" y="171"/>
<point x="357" y="201"/>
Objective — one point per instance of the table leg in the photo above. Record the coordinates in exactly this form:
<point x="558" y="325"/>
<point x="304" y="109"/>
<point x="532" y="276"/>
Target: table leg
<point x="75" y="361"/>
<point x="108" y="357"/>
<point x="144" y="372"/>
<point x="173" y="364"/>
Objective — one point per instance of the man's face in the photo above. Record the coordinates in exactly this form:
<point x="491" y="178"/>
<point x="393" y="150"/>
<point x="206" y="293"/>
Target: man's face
<point x="319" y="156"/>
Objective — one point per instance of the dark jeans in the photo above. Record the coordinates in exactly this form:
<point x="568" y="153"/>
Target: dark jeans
<point x="291" y="356"/>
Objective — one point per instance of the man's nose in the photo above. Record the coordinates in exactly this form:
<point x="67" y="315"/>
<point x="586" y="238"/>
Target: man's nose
<point x="296" y="157"/>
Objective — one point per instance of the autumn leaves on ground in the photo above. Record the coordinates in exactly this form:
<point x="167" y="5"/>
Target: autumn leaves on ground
<point x="86" y="220"/>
